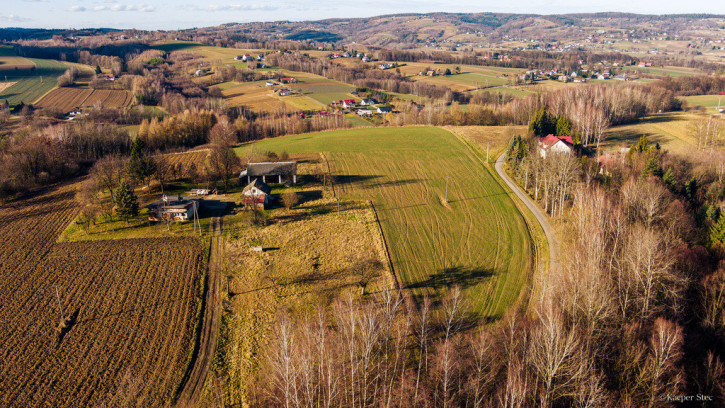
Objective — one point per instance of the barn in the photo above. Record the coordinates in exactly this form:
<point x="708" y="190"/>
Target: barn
<point x="256" y="194"/>
<point x="271" y="172"/>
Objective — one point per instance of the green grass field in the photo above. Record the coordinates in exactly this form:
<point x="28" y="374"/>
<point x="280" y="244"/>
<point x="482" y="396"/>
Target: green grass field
<point x="666" y="71"/>
<point x="709" y="102"/>
<point x="6" y="51"/>
<point x="473" y="78"/>
<point x="327" y="98"/>
<point x="478" y="240"/>
<point x="32" y="84"/>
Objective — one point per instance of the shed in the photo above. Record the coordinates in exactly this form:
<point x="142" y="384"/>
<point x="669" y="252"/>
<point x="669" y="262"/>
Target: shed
<point x="271" y="172"/>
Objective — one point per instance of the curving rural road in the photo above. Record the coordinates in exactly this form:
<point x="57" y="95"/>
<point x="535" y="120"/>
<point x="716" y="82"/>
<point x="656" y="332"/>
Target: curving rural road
<point x="192" y="388"/>
<point x="531" y="205"/>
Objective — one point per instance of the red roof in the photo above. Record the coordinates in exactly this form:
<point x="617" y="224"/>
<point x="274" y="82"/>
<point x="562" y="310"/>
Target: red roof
<point x="348" y="101"/>
<point x="550" y="140"/>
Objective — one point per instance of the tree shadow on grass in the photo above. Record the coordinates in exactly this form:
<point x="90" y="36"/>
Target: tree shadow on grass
<point x="453" y="276"/>
<point x="632" y="136"/>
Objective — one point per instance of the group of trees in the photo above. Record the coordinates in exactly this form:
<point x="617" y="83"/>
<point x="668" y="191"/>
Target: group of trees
<point x="41" y="156"/>
<point x="188" y="129"/>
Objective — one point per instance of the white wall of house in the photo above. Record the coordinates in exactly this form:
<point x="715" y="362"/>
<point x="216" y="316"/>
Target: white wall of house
<point x="558" y="147"/>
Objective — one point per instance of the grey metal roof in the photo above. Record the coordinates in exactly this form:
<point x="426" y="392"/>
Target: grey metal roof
<point x="259" y="184"/>
<point x="271" y="169"/>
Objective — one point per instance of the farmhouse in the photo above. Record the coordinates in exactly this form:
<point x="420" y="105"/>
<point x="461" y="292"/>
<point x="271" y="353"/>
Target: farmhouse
<point x="384" y="109"/>
<point x="271" y="172"/>
<point x="256" y="194"/>
<point x="176" y="208"/>
<point x="555" y="144"/>
<point x="363" y="112"/>
<point x="348" y="103"/>
<point x="368" y="102"/>
<point x="287" y="80"/>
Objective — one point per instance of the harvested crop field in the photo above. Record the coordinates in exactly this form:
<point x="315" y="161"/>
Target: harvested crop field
<point x="186" y="159"/>
<point x="129" y="306"/>
<point x="478" y="239"/>
<point x="31" y="84"/>
<point x="66" y="99"/>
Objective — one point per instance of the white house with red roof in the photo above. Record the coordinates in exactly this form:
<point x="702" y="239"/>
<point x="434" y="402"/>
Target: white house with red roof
<point x="348" y="103"/>
<point x="556" y="144"/>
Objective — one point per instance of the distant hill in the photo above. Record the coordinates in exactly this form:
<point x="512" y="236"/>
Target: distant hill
<point x="467" y="28"/>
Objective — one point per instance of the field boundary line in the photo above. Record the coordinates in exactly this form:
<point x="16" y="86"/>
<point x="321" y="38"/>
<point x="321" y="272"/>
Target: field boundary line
<point x="386" y="250"/>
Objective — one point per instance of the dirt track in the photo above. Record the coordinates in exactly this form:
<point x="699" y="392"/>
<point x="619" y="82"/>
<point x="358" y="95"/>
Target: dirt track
<point x="210" y="326"/>
<point x="540" y="216"/>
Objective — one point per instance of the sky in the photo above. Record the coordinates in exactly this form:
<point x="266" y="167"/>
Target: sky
<point x="179" y="14"/>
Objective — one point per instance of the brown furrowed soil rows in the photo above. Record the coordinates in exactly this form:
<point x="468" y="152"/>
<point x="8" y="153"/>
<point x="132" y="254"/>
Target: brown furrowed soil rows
<point x="65" y="99"/>
<point x="134" y="303"/>
<point x="186" y="159"/>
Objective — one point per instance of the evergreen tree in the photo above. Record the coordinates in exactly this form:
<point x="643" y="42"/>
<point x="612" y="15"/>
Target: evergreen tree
<point x="717" y="232"/>
<point x="98" y="70"/>
<point x="126" y="202"/>
<point x="141" y="166"/>
<point x="669" y="179"/>
<point x="542" y="123"/>
<point x="563" y="126"/>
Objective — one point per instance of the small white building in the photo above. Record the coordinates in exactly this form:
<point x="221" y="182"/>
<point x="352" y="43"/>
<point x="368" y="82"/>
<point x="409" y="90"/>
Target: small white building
<point x="555" y="144"/>
<point x="174" y="208"/>
<point x="363" y="112"/>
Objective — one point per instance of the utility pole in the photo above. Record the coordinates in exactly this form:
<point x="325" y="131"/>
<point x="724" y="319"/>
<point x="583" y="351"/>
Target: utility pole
<point x="59" y="305"/>
<point x="447" y="177"/>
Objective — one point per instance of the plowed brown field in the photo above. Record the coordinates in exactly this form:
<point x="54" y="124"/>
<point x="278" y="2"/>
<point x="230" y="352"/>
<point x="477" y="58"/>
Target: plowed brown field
<point x="134" y="304"/>
<point x="67" y="99"/>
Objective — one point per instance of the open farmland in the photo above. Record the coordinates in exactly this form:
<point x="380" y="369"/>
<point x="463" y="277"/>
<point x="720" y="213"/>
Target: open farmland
<point x="709" y="102"/>
<point x="256" y="96"/>
<point x="31" y="83"/>
<point x="665" y="71"/>
<point x="313" y="256"/>
<point x="672" y="131"/>
<point x="66" y="99"/>
<point x="496" y="138"/>
<point x="478" y="240"/>
<point x="130" y="308"/>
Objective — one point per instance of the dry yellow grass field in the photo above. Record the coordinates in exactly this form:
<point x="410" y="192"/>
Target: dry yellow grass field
<point x="495" y="137"/>
<point x="312" y="256"/>
<point x="257" y="97"/>
<point x="672" y="131"/>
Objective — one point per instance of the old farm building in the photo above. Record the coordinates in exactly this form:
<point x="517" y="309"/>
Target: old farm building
<point x="176" y="208"/>
<point x="256" y="194"/>
<point x="271" y="172"/>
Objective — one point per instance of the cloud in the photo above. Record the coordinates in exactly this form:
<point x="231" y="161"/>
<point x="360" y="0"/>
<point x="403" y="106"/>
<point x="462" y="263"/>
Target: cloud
<point x="233" y="7"/>
<point x="144" y="8"/>
<point x="77" y="8"/>
<point x="12" y="18"/>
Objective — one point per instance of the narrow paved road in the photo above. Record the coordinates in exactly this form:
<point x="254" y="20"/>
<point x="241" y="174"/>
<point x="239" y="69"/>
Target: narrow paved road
<point x="540" y="216"/>
<point x="192" y="388"/>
